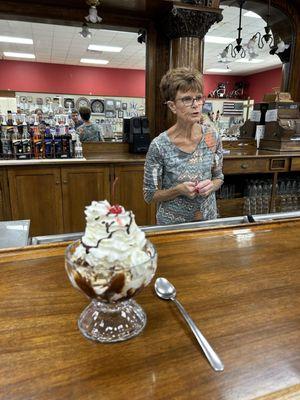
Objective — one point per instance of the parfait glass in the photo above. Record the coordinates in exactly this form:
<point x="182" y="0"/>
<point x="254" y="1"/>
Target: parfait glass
<point x="112" y="315"/>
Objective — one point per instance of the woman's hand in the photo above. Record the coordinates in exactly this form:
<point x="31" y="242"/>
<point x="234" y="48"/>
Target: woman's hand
<point x="204" y="188"/>
<point x="187" y="189"/>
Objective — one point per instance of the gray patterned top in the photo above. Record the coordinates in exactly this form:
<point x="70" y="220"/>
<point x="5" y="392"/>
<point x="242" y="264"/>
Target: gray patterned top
<point x="166" y="166"/>
<point x="90" y="133"/>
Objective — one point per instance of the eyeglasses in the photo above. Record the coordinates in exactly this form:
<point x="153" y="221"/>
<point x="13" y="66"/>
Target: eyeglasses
<point x="189" y="101"/>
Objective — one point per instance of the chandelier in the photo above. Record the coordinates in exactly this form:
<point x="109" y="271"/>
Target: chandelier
<point x="257" y="41"/>
<point x="238" y="48"/>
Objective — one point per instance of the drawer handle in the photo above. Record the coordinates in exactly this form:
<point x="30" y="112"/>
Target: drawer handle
<point x="65" y="181"/>
<point x="57" y="183"/>
<point x="244" y="166"/>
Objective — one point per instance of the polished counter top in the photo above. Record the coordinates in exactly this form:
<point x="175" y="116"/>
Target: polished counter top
<point x="240" y="284"/>
<point x="105" y="158"/>
<point x="118" y="153"/>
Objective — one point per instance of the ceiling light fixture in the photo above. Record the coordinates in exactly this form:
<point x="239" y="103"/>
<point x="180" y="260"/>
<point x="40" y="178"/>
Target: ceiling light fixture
<point x="142" y="34"/>
<point x="113" y="49"/>
<point x="218" y="39"/>
<point x="11" y="39"/>
<point x="93" y="16"/>
<point x="18" y="55"/>
<point x="251" y="14"/>
<point x="85" y="33"/>
<point x="93" y="61"/>
<point x="222" y="70"/>
<point x="238" y="49"/>
<point x="268" y="38"/>
<point x="250" y="61"/>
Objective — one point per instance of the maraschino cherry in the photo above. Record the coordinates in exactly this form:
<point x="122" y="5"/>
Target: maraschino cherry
<point x="115" y="209"/>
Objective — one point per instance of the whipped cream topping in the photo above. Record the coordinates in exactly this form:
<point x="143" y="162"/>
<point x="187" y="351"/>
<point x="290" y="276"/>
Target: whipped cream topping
<point x="111" y="236"/>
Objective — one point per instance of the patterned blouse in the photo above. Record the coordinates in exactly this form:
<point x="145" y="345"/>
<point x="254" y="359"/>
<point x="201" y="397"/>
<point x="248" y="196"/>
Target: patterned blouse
<point x="166" y="166"/>
<point x="90" y="133"/>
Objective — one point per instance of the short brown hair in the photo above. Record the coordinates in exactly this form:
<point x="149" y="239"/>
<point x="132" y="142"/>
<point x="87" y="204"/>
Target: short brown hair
<point x="183" y="79"/>
<point x="85" y="113"/>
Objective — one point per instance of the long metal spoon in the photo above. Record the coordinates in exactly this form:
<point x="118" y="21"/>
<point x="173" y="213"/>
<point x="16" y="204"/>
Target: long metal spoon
<point x="165" y="290"/>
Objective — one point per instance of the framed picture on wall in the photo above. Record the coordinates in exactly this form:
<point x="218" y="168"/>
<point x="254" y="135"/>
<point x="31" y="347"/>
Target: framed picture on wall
<point x="120" y="114"/>
<point x="110" y="114"/>
<point x="118" y="104"/>
<point x="109" y="105"/>
<point x="207" y="107"/>
<point x="124" y="106"/>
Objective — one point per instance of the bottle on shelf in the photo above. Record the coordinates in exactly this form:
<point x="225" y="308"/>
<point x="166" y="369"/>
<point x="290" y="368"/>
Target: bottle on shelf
<point x="78" y="148"/>
<point x="16" y="143"/>
<point x="65" y="141"/>
<point x="6" y="143"/>
<point x="26" y="142"/>
<point x="48" y="143"/>
<point x="72" y="141"/>
<point x="57" y="141"/>
<point x="38" y="145"/>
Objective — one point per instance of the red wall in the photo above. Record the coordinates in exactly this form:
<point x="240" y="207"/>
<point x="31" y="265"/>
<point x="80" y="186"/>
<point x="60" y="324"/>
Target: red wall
<point x="263" y="82"/>
<point x="25" y="76"/>
<point x="211" y="82"/>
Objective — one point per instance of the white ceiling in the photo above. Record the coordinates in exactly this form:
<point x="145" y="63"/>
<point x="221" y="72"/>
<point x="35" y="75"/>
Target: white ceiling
<point x="63" y="44"/>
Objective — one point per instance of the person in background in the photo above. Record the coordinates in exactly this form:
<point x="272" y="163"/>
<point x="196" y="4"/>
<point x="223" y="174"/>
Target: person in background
<point x="77" y="122"/>
<point x="40" y="116"/>
<point x="183" y="167"/>
<point x="88" y="131"/>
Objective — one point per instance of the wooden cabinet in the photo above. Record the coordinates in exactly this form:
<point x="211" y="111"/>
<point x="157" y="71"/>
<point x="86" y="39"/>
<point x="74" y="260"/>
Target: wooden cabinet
<point x="54" y="198"/>
<point x="129" y="193"/>
<point x="246" y="166"/>
<point x="80" y="186"/>
<point x="35" y="194"/>
<point x="5" y="212"/>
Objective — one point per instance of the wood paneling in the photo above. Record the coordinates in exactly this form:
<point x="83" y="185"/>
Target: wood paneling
<point x="295" y="164"/>
<point x="80" y="186"/>
<point x="36" y="195"/>
<point x="5" y="211"/>
<point x="129" y="193"/>
<point x="241" y="288"/>
<point x="230" y="207"/>
<point x="91" y="149"/>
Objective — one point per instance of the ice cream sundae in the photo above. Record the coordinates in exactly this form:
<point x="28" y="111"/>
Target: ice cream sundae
<point x="112" y="261"/>
<point x="112" y="258"/>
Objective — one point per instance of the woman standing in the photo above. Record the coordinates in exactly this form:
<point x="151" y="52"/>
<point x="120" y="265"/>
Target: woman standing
<point x="183" y="167"/>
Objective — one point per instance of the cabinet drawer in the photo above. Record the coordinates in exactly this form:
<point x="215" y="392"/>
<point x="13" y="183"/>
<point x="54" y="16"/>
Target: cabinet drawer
<point x="246" y="166"/>
<point x="295" y="165"/>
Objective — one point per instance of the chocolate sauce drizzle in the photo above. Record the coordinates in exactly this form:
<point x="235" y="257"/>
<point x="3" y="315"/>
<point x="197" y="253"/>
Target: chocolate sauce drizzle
<point x="107" y="226"/>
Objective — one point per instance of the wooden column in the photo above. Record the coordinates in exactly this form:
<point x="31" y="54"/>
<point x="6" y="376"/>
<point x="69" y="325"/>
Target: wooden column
<point x="178" y="43"/>
<point x="186" y="52"/>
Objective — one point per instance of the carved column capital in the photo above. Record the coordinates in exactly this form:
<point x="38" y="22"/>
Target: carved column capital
<point x="183" y="22"/>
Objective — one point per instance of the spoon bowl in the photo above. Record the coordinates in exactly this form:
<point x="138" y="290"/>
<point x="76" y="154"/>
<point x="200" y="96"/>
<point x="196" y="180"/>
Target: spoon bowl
<point x="164" y="289"/>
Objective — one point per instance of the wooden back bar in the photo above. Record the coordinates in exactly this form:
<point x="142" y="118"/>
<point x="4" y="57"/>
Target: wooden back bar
<point x="240" y="285"/>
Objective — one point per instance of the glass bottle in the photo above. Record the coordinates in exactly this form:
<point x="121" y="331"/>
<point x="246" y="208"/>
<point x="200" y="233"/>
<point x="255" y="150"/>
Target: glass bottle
<point x="37" y="143"/>
<point x="48" y="143"/>
<point x="26" y="142"/>
<point x="16" y="143"/>
<point x="6" y="143"/>
<point x="57" y="142"/>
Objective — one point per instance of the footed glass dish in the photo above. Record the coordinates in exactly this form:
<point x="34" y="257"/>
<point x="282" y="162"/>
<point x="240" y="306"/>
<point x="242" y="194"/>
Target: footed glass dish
<point x="112" y="315"/>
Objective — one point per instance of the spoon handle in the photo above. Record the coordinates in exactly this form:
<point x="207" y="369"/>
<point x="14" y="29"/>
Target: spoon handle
<point x="211" y="355"/>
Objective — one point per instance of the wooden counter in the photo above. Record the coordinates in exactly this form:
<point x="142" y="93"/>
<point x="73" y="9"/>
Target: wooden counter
<point x="240" y="285"/>
<point x="54" y="193"/>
